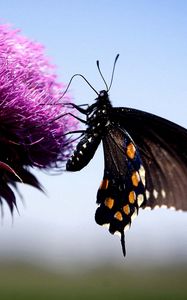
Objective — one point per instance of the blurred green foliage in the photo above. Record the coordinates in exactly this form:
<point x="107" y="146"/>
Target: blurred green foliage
<point x="27" y="282"/>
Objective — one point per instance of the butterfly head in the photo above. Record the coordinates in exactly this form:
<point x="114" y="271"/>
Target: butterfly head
<point x="103" y="94"/>
<point x="103" y="97"/>
<point x="103" y="101"/>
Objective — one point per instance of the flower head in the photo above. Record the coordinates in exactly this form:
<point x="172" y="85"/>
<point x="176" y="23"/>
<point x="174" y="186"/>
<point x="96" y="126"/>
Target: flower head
<point x="31" y="135"/>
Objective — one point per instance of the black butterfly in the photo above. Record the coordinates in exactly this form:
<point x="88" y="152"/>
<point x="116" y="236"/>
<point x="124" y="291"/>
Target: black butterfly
<point x="145" y="161"/>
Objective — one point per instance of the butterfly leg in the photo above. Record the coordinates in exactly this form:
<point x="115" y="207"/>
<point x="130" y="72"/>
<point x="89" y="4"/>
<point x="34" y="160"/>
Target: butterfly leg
<point x="79" y="107"/>
<point x="86" y="111"/>
<point x="74" y="131"/>
<point x="72" y="141"/>
<point x="60" y="116"/>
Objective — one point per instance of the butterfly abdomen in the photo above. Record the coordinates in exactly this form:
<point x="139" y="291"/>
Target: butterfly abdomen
<point x="83" y="153"/>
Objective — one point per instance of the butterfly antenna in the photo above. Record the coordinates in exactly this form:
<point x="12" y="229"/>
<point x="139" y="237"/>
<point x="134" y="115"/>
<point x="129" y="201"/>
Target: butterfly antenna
<point x="115" y="61"/>
<point x="80" y="75"/>
<point x="97" y="62"/>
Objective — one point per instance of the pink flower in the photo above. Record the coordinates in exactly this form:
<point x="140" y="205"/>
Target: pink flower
<point x="29" y="103"/>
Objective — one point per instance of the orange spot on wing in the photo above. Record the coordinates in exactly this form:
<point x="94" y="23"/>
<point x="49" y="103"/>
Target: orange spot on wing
<point x="109" y="202"/>
<point x="118" y="216"/>
<point x="131" y="151"/>
<point x="126" y="209"/>
<point x="132" y="197"/>
<point x="104" y="184"/>
<point x="135" y="178"/>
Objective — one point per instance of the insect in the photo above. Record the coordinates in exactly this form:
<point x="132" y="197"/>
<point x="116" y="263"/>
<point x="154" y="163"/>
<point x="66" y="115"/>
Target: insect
<point x="145" y="159"/>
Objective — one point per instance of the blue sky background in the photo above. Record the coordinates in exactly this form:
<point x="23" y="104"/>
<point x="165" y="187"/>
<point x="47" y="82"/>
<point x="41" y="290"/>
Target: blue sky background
<point x="151" y="74"/>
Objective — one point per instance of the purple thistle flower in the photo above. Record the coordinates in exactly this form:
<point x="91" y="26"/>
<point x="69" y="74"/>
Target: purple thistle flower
<point x="29" y="103"/>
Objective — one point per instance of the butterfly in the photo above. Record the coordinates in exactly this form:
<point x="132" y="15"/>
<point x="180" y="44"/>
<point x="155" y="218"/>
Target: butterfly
<point x="145" y="161"/>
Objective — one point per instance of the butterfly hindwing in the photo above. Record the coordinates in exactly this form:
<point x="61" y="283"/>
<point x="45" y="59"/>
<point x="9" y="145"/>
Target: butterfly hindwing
<point x="122" y="190"/>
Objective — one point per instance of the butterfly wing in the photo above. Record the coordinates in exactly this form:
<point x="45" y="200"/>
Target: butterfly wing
<point x="122" y="190"/>
<point x="163" y="149"/>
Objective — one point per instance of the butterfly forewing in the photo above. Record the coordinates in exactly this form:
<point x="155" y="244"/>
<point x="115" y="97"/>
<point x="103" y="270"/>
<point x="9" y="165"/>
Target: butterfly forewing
<point x="163" y="149"/>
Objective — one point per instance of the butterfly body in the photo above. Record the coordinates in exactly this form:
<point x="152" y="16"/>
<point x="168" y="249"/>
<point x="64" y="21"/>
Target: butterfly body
<point x="97" y="120"/>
